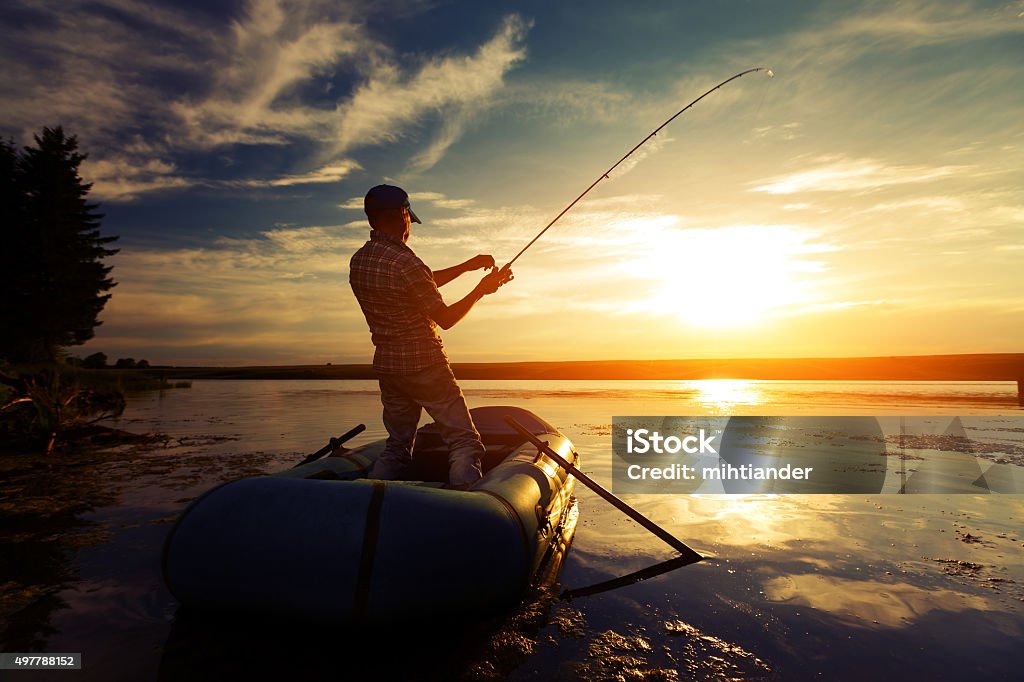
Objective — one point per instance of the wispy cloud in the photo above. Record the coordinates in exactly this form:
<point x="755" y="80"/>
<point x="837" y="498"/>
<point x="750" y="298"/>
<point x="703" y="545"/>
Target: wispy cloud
<point x="123" y="177"/>
<point x="331" y="173"/>
<point x="266" y="56"/>
<point x="569" y="99"/>
<point x="931" y="204"/>
<point x="784" y="131"/>
<point x="913" y="24"/>
<point x="852" y="175"/>
<point x="454" y="87"/>
<point x="840" y="34"/>
<point x="452" y="127"/>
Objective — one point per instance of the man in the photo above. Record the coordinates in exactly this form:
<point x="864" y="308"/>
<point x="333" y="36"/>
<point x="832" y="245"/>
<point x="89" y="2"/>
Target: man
<point x="399" y="297"/>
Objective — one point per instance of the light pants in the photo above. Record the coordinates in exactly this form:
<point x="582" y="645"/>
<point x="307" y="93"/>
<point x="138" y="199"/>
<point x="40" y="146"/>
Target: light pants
<point x="435" y="390"/>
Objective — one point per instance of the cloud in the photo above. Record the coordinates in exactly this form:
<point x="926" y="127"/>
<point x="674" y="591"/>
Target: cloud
<point x="625" y="258"/>
<point x="628" y="255"/>
<point x="418" y="198"/>
<point x="452" y="128"/>
<point x="826" y="42"/>
<point x="123" y="177"/>
<point x="931" y="204"/>
<point x="915" y="101"/>
<point x="87" y="65"/>
<point x="288" y="283"/>
<point x="272" y="51"/>
<point x="331" y="173"/>
<point x="785" y="131"/>
<point x="267" y="55"/>
<point x="915" y="24"/>
<point x="571" y="99"/>
<point x="650" y="147"/>
<point x="852" y="175"/>
<point x="295" y="74"/>
<point x="440" y="200"/>
<point x="455" y="88"/>
<point x="250" y="299"/>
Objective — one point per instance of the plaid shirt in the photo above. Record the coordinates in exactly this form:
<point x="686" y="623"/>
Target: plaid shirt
<point x="397" y="293"/>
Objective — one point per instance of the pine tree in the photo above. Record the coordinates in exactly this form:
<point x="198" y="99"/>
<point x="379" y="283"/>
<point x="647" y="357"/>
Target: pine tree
<point x="52" y="250"/>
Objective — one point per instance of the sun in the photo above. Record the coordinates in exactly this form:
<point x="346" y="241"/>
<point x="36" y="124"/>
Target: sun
<point x="732" y="276"/>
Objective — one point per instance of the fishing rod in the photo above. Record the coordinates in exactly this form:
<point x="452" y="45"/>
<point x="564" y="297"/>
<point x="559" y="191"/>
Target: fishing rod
<point x="604" y="176"/>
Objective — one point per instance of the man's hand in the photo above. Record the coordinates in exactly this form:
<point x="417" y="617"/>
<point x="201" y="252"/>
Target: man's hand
<point x="442" y="277"/>
<point x="448" y="315"/>
<point x="479" y="262"/>
<point x="494" y="279"/>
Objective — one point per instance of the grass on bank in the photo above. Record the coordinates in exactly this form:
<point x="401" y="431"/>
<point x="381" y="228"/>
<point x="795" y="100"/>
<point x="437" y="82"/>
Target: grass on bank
<point x="54" y="406"/>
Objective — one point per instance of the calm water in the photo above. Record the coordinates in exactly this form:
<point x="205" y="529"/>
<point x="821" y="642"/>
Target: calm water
<point x="797" y="587"/>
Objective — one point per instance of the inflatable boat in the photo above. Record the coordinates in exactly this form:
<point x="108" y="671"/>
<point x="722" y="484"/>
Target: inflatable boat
<point x="321" y="541"/>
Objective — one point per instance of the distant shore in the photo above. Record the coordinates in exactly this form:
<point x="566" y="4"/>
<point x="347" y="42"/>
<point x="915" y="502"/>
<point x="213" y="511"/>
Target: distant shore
<point x="971" y="367"/>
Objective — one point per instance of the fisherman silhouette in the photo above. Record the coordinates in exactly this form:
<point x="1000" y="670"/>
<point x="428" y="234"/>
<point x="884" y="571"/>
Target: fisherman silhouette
<point x="399" y="297"/>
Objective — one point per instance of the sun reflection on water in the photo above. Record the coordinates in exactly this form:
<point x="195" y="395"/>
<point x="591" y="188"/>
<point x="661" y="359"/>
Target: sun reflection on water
<point x="721" y="395"/>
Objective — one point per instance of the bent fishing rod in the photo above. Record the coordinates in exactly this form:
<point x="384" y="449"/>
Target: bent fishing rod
<point x="604" y="176"/>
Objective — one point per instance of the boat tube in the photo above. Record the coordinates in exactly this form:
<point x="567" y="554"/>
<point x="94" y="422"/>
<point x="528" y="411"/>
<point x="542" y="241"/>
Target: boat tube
<point x="321" y="541"/>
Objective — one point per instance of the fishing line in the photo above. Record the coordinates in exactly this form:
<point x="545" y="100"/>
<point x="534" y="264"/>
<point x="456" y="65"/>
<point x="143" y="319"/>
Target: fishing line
<point x="604" y="176"/>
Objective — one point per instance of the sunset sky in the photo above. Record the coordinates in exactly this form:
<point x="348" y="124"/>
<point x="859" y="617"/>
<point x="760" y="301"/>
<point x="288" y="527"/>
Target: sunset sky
<point x="868" y="200"/>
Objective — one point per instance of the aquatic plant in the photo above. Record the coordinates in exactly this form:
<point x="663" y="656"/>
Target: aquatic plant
<point x="44" y="403"/>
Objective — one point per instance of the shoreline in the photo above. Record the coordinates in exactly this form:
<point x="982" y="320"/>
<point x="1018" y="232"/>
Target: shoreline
<point x="966" y="367"/>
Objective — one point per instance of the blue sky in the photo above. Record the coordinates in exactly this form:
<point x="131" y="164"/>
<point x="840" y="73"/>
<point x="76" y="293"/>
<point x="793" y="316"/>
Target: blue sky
<point x="866" y="201"/>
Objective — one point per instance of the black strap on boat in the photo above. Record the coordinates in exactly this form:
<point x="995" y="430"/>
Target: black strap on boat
<point x="371" y="534"/>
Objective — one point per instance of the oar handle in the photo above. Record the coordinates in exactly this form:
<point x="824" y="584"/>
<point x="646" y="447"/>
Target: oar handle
<point x="333" y="444"/>
<point x="654" y="528"/>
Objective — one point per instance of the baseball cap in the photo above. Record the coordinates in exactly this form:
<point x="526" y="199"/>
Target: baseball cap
<point x="388" y="196"/>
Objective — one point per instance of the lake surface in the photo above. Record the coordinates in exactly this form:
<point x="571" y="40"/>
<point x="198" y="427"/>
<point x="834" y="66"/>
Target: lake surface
<point x="796" y="587"/>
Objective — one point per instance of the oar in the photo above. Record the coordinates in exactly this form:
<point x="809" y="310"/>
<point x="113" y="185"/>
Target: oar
<point x="630" y="579"/>
<point x="333" y="443"/>
<point x="673" y="541"/>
